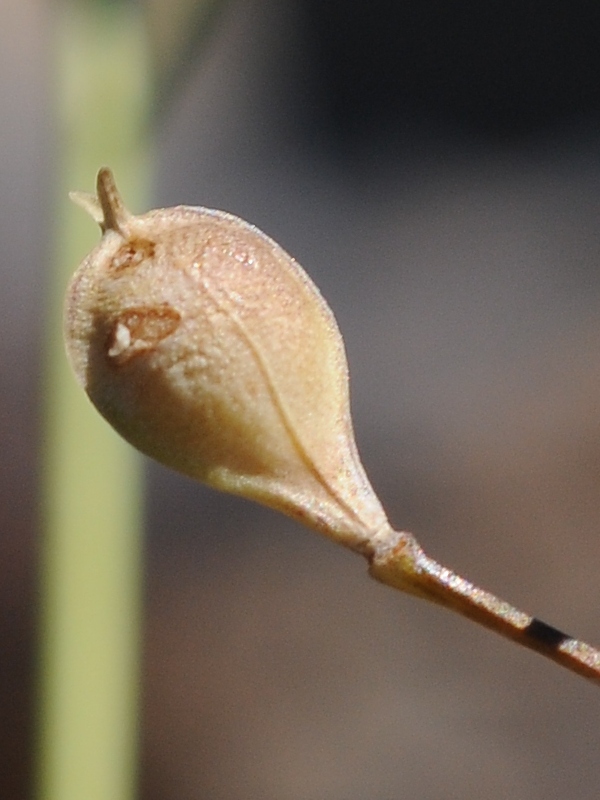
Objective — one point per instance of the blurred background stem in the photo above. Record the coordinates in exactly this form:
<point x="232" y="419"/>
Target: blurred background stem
<point x="90" y="563"/>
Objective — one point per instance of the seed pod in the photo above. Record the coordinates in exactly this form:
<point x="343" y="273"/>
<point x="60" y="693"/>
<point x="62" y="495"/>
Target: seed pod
<point x="207" y="346"/>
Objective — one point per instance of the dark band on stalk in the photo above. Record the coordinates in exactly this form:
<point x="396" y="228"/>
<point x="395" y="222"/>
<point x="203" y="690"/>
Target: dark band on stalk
<point x="545" y="635"/>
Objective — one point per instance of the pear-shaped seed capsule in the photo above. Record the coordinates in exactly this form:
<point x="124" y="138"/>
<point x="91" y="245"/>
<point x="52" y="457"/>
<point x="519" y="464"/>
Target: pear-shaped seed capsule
<point x="209" y="348"/>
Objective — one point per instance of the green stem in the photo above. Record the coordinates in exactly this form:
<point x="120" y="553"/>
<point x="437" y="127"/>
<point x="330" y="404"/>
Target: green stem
<point x="90" y="564"/>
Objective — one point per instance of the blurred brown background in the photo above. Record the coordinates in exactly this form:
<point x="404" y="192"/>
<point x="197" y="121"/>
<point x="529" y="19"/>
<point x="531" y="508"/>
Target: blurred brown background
<point x="436" y="168"/>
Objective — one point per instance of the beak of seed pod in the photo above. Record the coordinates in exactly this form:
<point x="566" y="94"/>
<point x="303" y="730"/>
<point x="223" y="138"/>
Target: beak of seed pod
<point x="207" y="346"/>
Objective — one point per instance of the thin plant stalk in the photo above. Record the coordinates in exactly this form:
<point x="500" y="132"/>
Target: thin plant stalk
<point x="91" y="553"/>
<point x="399" y="561"/>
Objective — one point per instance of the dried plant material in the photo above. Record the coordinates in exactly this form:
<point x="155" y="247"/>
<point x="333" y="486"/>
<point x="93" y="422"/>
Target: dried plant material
<point x="208" y="347"/>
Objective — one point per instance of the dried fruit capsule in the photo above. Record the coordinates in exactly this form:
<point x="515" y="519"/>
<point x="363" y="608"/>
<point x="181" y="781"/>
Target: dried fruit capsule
<point x="209" y="348"/>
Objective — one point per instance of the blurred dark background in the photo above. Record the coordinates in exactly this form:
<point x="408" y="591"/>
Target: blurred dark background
<point x="436" y="168"/>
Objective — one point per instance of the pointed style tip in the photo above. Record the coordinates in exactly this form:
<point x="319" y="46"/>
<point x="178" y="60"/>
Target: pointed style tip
<point x="105" y="181"/>
<point x="114" y="213"/>
<point x="107" y="208"/>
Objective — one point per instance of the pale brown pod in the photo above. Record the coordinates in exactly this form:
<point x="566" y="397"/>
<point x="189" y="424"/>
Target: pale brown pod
<point x="209" y="348"/>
